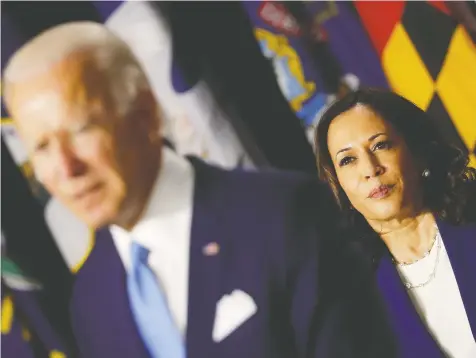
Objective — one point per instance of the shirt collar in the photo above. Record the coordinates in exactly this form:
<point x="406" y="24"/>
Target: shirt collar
<point x="170" y="199"/>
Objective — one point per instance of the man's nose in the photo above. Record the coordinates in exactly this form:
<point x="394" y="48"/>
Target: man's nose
<point x="67" y="162"/>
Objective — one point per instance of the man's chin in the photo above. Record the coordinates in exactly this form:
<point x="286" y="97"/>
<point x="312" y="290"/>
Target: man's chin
<point x="96" y="219"/>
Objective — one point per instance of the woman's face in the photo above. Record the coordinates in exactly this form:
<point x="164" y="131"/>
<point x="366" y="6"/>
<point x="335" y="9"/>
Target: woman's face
<point x="373" y="165"/>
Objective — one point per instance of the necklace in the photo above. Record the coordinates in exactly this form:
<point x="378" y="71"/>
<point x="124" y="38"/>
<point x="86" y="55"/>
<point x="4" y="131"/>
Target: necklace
<point x="420" y="258"/>
<point x="409" y="286"/>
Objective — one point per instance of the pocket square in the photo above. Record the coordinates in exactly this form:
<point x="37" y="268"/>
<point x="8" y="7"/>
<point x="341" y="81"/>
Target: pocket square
<point x="231" y="312"/>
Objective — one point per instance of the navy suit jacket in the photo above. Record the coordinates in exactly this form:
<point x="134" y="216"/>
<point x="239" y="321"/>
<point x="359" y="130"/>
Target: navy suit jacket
<point x="412" y="338"/>
<point x="269" y="227"/>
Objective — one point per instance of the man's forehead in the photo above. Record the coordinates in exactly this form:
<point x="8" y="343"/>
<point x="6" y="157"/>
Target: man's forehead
<point x="46" y="111"/>
<point x="64" y="85"/>
<point x="35" y="95"/>
<point x="38" y="102"/>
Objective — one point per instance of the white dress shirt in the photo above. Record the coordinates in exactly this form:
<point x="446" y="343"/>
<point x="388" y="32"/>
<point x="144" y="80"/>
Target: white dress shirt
<point x="165" y="229"/>
<point x="439" y="303"/>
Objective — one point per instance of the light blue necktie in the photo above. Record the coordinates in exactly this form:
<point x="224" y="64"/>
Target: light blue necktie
<point x="149" y="308"/>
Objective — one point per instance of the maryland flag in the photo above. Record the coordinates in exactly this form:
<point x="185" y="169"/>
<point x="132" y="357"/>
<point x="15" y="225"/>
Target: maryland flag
<point x="429" y="58"/>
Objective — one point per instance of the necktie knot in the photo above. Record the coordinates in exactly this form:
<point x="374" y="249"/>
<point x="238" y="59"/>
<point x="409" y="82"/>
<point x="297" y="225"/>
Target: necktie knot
<point x="139" y="253"/>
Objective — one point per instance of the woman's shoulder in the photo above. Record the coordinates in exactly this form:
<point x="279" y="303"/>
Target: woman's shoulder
<point x="461" y="231"/>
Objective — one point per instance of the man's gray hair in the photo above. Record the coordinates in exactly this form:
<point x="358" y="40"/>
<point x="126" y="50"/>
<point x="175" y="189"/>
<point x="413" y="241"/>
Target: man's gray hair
<point x="110" y="54"/>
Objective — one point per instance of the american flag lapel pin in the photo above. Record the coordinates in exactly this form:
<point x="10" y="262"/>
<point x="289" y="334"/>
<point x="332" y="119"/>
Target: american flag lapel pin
<point x="211" y="249"/>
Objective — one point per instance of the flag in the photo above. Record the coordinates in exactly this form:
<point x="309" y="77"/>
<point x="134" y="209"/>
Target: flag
<point x="348" y="41"/>
<point x="192" y="120"/>
<point x="281" y="40"/>
<point x="310" y="67"/>
<point x="429" y="58"/>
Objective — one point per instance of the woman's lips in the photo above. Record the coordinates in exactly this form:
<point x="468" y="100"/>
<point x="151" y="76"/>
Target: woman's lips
<point x="380" y="192"/>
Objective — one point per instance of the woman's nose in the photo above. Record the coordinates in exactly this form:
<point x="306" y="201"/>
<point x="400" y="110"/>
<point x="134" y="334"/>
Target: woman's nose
<point x="371" y="167"/>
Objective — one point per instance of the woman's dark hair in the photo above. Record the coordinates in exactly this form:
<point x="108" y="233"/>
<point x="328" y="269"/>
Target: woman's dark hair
<point x="449" y="191"/>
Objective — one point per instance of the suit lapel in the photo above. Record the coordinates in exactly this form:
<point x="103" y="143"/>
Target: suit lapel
<point x="413" y="339"/>
<point x="103" y="278"/>
<point x="460" y="243"/>
<point x="205" y="264"/>
<point x="104" y="304"/>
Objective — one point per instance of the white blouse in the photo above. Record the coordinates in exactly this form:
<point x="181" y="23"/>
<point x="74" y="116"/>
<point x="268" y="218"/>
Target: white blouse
<point x="439" y="303"/>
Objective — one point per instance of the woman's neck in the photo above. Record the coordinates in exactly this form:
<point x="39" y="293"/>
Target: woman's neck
<point x="409" y="238"/>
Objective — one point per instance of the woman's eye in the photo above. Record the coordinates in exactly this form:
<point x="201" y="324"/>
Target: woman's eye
<point x="345" y="161"/>
<point x="382" y="145"/>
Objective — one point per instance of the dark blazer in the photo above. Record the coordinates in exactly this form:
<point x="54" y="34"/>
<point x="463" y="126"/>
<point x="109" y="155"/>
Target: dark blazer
<point x="413" y="339"/>
<point x="268" y="227"/>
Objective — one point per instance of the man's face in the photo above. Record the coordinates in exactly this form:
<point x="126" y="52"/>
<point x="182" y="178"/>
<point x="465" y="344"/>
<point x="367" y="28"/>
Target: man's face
<point x="82" y="151"/>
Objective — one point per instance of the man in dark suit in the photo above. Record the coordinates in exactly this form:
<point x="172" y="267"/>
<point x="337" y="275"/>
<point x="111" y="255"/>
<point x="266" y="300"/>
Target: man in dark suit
<point x="189" y="260"/>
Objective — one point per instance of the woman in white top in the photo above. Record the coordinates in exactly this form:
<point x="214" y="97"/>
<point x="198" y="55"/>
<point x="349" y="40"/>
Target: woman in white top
<point x="408" y="199"/>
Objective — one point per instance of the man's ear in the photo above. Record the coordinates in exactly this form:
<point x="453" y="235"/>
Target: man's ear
<point x="146" y="115"/>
